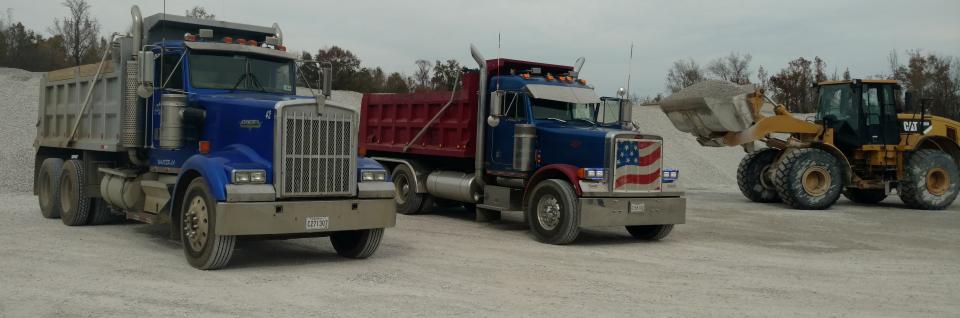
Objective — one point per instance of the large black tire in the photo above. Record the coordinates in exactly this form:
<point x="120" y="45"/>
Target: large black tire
<point x="408" y="200"/>
<point x="48" y="187"/>
<point x="752" y="176"/>
<point x="202" y="246"/>
<point x="930" y="180"/>
<point x="808" y="179"/>
<point x="553" y="213"/>
<point x="102" y="213"/>
<point x="865" y="196"/>
<point x="75" y="203"/>
<point x="357" y="244"/>
<point x="650" y="232"/>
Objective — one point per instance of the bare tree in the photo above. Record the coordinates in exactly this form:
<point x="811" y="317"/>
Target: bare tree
<point x="734" y="68"/>
<point x="763" y="78"/>
<point x="422" y="75"/>
<point x="683" y="74"/>
<point x="79" y="30"/>
<point x="200" y="13"/>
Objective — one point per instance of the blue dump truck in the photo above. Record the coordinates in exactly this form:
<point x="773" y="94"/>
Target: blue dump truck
<point x="526" y="137"/>
<point x="195" y="123"/>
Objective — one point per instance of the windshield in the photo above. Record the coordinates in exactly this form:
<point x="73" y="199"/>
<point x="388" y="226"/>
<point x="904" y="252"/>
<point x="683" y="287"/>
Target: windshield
<point x="219" y="70"/>
<point x="545" y="109"/>
<point x="836" y="103"/>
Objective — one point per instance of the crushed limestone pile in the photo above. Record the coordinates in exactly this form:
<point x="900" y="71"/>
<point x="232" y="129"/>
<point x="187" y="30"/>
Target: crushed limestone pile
<point x="19" y="91"/>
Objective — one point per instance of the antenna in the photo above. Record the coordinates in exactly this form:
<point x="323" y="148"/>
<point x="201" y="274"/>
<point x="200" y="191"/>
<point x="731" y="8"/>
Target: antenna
<point x="629" y="70"/>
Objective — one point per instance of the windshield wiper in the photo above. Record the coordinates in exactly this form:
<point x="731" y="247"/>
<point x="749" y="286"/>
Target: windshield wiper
<point x="239" y="81"/>
<point x="592" y="123"/>
<point x="557" y="119"/>
<point x="256" y="82"/>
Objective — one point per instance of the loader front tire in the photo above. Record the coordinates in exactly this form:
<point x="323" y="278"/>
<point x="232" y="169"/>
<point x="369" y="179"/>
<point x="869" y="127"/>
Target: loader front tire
<point x="752" y="177"/>
<point x="808" y="179"/>
<point x="929" y="180"/>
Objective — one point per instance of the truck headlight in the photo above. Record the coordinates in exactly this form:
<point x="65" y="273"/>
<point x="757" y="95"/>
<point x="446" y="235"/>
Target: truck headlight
<point x="591" y="173"/>
<point x="249" y="176"/>
<point x="373" y="175"/>
<point x="670" y="175"/>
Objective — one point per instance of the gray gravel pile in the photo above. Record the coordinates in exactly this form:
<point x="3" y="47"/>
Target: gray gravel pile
<point x="712" y="88"/>
<point x="19" y="91"/>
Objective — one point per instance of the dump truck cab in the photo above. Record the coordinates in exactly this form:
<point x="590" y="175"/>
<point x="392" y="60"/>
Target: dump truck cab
<point x="195" y="123"/>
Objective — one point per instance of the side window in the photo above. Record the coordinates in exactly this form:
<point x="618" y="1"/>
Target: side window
<point x="170" y="65"/>
<point x="871" y="105"/>
<point x="513" y="106"/>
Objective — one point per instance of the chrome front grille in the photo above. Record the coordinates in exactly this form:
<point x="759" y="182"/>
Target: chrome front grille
<point x="317" y="152"/>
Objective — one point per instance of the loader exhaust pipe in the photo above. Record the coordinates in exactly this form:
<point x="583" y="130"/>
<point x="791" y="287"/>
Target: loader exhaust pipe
<point x="481" y="114"/>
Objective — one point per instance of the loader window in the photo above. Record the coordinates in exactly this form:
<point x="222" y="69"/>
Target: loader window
<point x="871" y="105"/>
<point x="836" y="104"/>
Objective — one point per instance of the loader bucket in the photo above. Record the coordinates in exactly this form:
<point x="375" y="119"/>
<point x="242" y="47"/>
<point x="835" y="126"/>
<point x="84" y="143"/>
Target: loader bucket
<point x="710" y="109"/>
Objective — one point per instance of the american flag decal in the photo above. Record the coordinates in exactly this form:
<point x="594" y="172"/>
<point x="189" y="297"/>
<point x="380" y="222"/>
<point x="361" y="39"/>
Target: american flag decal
<point x="638" y="165"/>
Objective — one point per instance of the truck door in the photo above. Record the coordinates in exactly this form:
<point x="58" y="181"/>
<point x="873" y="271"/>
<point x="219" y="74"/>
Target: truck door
<point x="500" y="140"/>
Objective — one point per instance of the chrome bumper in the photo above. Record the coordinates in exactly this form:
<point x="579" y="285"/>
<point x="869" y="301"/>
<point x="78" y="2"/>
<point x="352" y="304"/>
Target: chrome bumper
<point x="615" y="211"/>
<point x="291" y="217"/>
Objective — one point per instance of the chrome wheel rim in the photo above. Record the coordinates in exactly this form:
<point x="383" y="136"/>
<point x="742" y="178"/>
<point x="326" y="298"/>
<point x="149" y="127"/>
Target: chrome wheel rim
<point x="402" y="188"/>
<point x="548" y="212"/>
<point x="195" y="224"/>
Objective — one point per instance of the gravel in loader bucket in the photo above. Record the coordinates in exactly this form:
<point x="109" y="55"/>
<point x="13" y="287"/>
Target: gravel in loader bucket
<point x="710" y="109"/>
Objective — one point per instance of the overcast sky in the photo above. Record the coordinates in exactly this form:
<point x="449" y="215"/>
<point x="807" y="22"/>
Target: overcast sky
<point x="392" y="34"/>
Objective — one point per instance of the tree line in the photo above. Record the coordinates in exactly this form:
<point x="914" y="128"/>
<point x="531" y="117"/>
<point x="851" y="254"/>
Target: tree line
<point x="927" y="75"/>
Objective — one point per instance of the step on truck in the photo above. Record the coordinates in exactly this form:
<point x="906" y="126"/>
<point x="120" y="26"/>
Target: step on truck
<point x="195" y="123"/>
<point x="528" y="137"/>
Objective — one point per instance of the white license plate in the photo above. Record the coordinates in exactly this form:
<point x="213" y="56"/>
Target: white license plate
<point x="318" y="223"/>
<point x="636" y="207"/>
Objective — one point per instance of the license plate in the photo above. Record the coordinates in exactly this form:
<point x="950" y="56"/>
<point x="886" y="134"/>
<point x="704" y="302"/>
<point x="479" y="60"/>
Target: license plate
<point x="318" y="223"/>
<point x="636" y="207"/>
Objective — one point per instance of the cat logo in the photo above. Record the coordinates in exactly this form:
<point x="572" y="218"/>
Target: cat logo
<point x="912" y="126"/>
<point x="250" y="123"/>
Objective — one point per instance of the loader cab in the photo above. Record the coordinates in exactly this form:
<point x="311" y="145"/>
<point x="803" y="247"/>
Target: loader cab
<point x="861" y="112"/>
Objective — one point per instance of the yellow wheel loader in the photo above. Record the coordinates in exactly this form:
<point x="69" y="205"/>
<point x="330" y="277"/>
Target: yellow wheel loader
<point x="864" y="141"/>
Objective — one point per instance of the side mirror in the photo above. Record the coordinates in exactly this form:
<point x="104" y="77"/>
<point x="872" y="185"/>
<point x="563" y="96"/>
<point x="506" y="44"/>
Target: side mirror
<point x="145" y="73"/>
<point x="496" y="108"/>
<point x="327" y="76"/>
<point x="908" y="100"/>
<point x="626" y="114"/>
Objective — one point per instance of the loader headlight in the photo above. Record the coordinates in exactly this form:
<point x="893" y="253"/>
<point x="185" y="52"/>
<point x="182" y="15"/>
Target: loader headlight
<point x="670" y="175"/>
<point x="249" y="176"/>
<point x="373" y="175"/>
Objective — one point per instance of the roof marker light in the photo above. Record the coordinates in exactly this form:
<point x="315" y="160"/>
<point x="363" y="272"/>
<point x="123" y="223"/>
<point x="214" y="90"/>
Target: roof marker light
<point x="227" y="40"/>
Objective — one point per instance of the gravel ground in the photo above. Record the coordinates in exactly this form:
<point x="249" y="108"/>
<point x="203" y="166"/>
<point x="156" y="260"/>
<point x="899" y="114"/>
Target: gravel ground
<point x="732" y="258"/>
<point x="18" y="109"/>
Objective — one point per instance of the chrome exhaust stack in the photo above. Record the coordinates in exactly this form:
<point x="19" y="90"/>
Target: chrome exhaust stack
<point x="481" y="114"/>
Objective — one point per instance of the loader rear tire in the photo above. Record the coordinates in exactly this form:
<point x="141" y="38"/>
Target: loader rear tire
<point x="409" y="202"/>
<point x="75" y="203"/>
<point x="752" y="176"/>
<point x="808" y="179"/>
<point x="357" y="244"/>
<point x="48" y="187"/>
<point x="865" y="196"/>
<point x="930" y="180"/>
<point x="650" y="232"/>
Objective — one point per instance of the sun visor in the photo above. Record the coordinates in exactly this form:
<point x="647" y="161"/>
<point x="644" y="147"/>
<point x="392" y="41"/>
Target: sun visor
<point x="579" y="95"/>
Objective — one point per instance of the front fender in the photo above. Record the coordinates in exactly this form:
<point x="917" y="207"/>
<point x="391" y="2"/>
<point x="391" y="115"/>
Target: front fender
<point x="555" y="171"/>
<point x="215" y="168"/>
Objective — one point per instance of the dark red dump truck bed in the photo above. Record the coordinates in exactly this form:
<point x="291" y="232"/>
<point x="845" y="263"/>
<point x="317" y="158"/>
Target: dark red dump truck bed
<point x="388" y="122"/>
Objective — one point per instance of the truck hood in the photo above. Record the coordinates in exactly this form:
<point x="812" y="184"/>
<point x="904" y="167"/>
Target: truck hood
<point x="581" y="146"/>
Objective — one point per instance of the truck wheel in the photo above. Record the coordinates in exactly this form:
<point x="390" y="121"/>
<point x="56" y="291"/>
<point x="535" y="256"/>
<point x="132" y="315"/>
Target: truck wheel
<point x="865" y="196"/>
<point x="929" y="180"/>
<point x="808" y="179"/>
<point x="74" y="202"/>
<point x="650" y="232"/>
<point x="202" y="246"/>
<point x="553" y="213"/>
<point x="752" y="176"/>
<point x="102" y="213"/>
<point x="48" y="187"/>
<point x="408" y="200"/>
<point x="358" y="244"/>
